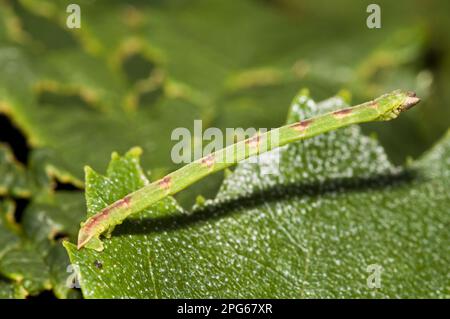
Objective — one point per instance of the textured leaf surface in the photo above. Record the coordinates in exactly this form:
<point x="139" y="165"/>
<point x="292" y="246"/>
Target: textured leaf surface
<point x="333" y="206"/>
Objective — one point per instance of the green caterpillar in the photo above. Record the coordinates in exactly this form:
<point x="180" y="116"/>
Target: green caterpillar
<point x="384" y="108"/>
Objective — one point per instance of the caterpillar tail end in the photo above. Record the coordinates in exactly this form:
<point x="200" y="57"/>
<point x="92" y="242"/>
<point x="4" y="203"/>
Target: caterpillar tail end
<point x="87" y="240"/>
<point x="83" y="238"/>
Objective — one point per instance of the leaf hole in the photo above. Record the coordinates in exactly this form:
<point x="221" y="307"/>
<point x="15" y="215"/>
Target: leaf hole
<point x="46" y="294"/>
<point x="138" y="67"/>
<point x="61" y="186"/>
<point x="14" y="137"/>
<point x="60" y="236"/>
<point x="21" y="204"/>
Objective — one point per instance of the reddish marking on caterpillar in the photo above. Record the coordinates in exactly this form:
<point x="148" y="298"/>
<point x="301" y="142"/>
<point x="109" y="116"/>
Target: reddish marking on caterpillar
<point x="165" y="183"/>
<point x="208" y="161"/>
<point x="342" y="113"/>
<point x="254" y="141"/>
<point x="373" y="104"/>
<point x="127" y="200"/>
<point x="301" y="126"/>
<point x="124" y="202"/>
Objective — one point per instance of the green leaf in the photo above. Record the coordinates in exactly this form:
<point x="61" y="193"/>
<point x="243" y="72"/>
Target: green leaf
<point x="8" y="237"/>
<point x="91" y="130"/>
<point x="57" y="215"/>
<point x="32" y="258"/>
<point x="43" y="170"/>
<point x="332" y="207"/>
<point x="10" y="291"/>
<point x="14" y="181"/>
<point x="25" y="265"/>
<point x="18" y="260"/>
